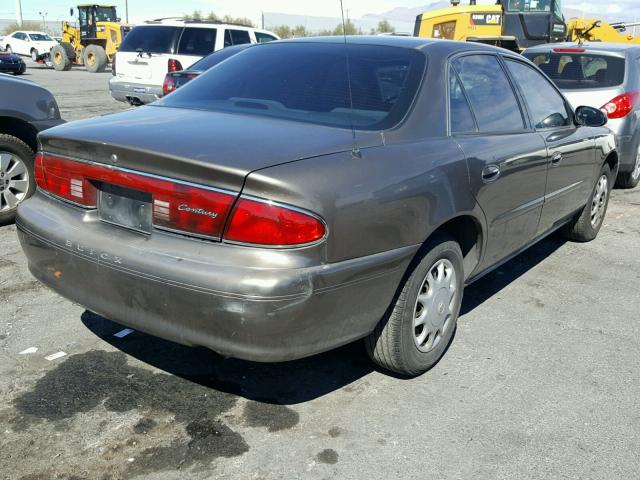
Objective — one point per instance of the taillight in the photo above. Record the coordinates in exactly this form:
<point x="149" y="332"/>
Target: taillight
<point x="622" y="105"/>
<point x="261" y="222"/>
<point x="113" y="65"/>
<point x="174" y="65"/>
<point x="176" y="205"/>
<point x="569" y="50"/>
<point x="169" y="85"/>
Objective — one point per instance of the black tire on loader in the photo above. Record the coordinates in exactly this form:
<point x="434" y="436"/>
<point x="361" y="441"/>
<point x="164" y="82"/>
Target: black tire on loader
<point x="62" y="56"/>
<point x="95" y="59"/>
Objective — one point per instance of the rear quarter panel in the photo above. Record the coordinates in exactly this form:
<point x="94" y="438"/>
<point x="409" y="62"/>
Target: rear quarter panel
<point x="394" y="196"/>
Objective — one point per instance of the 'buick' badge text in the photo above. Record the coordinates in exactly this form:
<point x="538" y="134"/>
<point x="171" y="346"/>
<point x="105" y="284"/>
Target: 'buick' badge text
<point x="198" y="211"/>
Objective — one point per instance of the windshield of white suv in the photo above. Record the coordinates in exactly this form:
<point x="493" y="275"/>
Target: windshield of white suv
<point x="308" y="82"/>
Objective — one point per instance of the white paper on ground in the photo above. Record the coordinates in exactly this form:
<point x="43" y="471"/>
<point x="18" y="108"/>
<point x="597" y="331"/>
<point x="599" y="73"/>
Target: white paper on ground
<point x="55" y="356"/>
<point x="26" y="351"/>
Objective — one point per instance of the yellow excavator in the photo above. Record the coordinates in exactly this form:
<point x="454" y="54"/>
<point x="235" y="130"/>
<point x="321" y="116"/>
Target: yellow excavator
<point x="91" y="43"/>
<point x="516" y="24"/>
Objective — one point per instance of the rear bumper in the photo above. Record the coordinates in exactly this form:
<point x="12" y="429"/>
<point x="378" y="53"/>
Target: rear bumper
<point x="241" y="302"/>
<point x="125" y="91"/>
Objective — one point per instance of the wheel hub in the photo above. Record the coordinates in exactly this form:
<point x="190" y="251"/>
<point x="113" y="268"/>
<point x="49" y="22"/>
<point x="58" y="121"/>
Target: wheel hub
<point x="599" y="202"/>
<point x="433" y="311"/>
<point x="14" y="181"/>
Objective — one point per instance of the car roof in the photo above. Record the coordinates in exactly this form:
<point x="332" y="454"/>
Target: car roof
<point x="31" y="32"/>
<point x="181" y="22"/>
<point x="590" y="46"/>
<point x="442" y="47"/>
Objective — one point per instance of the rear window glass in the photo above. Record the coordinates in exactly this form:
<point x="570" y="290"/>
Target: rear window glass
<point x="308" y="82"/>
<point x="574" y="71"/>
<point x="215" y="58"/>
<point x="197" y="41"/>
<point x="150" y="39"/>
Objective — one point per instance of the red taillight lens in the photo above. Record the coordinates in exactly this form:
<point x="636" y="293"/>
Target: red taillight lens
<point x="265" y="223"/>
<point x="569" y="50"/>
<point x="65" y="179"/>
<point x="179" y="206"/>
<point x="174" y="65"/>
<point x="622" y="105"/>
<point x="169" y="85"/>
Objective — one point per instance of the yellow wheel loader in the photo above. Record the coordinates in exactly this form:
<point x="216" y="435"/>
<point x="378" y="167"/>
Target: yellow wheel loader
<point x="515" y="24"/>
<point x="93" y="42"/>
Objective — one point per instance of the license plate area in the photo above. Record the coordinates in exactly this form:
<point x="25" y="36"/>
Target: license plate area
<point x="125" y="207"/>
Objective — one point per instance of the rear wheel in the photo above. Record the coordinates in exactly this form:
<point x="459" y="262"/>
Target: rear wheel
<point x="632" y="178"/>
<point x="16" y="175"/>
<point x="585" y="226"/>
<point x="415" y="334"/>
<point x="8" y="49"/>
<point x="95" y="58"/>
<point x="62" y="56"/>
<point x="34" y="54"/>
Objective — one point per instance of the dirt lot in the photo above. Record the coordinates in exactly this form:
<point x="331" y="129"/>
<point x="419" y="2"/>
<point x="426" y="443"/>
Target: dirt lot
<point x="541" y="381"/>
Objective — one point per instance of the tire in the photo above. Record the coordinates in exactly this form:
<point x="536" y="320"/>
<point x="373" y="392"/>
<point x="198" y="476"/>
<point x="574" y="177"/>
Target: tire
<point x="585" y="226"/>
<point x="411" y="338"/>
<point x="16" y="166"/>
<point x="95" y="59"/>
<point x="34" y="54"/>
<point x="8" y="49"/>
<point x="62" y="57"/>
<point x="632" y="178"/>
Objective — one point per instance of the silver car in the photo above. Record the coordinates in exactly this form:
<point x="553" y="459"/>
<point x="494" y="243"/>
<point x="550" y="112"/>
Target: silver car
<point x="605" y="76"/>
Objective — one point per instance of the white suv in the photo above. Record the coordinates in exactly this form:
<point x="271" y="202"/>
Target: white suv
<point x="152" y="50"/>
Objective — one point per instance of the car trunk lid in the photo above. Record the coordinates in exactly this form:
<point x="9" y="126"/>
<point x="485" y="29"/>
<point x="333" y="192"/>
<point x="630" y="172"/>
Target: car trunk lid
<point x="209" y="148"/>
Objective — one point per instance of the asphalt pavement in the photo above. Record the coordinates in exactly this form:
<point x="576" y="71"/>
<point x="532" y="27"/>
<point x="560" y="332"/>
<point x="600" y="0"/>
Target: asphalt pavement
<point x="541" y="380"/>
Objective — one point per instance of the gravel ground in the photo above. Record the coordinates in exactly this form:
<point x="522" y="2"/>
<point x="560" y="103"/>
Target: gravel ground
<point x="541" y="380"/>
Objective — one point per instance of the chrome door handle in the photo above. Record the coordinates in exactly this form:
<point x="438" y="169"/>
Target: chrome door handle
<point x="490" y="173"/>
<point x="556" y="158"/>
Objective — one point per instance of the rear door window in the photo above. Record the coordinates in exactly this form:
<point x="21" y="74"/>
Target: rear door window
<point x="546" y="107"/>
<point x="197" y="41"/>
<point x="492" y="98"/>
<point x="461" y="118"/>
<point x="574" y="71"/>
<point x="150" y="39"/>
<point x="236" y="37"/>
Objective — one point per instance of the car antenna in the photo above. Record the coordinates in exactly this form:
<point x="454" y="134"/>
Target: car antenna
<point x="355" y="151"/>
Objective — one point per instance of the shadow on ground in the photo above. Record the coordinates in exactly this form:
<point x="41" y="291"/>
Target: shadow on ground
<point x="297" y="381"/>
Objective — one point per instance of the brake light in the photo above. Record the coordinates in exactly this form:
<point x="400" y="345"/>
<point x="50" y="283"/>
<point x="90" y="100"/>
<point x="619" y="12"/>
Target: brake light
<point x="174" y="65"/>
<point x="266" y="223"/>
<point x="569" y="50"/>
<point x="177" y="206"/>
<point x="622" y="105"/>
<point x="169" y="85"/>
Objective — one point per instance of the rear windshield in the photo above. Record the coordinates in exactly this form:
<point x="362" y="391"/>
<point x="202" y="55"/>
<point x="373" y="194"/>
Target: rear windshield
<point x="574" y="71"/>
<point x="150" y="39"/>
<point x="215" y="58"/>
<point x="308" y="82"/>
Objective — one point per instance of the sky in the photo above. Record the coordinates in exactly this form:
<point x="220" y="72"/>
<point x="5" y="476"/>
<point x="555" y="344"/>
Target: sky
<point x="140" y="10"/>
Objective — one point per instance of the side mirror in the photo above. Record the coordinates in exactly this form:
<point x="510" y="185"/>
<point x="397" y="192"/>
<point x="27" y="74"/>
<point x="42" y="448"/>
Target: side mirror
<point x="591" y="117"/>
<point x="71" y="12"/>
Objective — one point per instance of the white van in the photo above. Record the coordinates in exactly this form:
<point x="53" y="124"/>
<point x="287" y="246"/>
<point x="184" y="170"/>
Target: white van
<point x="153" y="49"/>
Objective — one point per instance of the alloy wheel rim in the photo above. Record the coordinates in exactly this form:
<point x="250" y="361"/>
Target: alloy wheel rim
<point x="599" y="202"/>
<point x="434" y="309"/>
<point x="636" y="170"/>
<point x="14" y="181"/>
